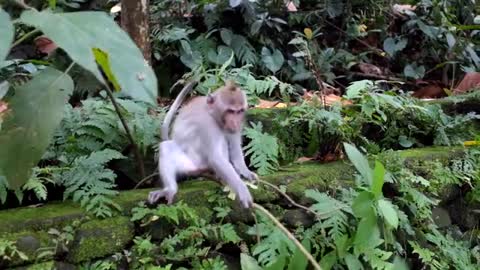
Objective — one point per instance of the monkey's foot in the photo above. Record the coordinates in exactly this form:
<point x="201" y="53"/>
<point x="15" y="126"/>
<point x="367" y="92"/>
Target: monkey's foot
<point x="156" y="195"/>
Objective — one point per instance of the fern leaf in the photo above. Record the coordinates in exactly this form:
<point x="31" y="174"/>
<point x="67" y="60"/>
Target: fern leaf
<point x="3" y="189"/>
<point x="263" y="149"/>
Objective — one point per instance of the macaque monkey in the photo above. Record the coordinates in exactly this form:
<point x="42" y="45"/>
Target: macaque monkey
<point x="206" y="136"/>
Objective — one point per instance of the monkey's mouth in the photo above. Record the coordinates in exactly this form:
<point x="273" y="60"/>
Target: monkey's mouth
<point x="231" y="130"/>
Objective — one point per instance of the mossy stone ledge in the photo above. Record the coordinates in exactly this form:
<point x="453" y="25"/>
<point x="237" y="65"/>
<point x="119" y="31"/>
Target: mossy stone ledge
<point x="96" y="238"/>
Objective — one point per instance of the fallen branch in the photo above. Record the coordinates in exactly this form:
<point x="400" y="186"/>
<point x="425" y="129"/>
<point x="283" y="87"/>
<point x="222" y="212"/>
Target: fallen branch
<point x="144" y="179"/>
<point x="289" y="235"/>
<point x="287" y="197"/>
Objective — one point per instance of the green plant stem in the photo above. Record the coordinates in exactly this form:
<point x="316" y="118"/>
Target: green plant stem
<point x="144" y="179"/>
<point x="287" y="197"/>
<point x="136" y="151"/>
<point x="289" y="235"/>
<point x="24" y="37"/>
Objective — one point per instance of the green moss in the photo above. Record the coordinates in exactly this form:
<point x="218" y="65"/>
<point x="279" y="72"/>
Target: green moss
<point x="437" y="152"/>
<point x="37" y="240"/>
<point x="55" y="214"/>
<point x="321" y="177"/>
<point x="38" y="266"/>
<point x="99" y="238"/>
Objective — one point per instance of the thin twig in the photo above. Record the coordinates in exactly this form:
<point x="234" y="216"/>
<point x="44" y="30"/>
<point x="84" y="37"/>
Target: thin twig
<point x="24" y="37"/>
<point x="289" y="235"/>
<point x="287" y="197"/>
<point x="256" y="227"/>
<point x="144" y="179"/>
<point x="136" y="151"/>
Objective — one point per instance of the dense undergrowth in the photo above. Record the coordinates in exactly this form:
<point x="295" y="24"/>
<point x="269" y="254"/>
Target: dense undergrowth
<point x="81" y="123"/>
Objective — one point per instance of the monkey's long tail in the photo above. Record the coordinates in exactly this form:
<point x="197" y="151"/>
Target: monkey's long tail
<point x="173" y="109"/>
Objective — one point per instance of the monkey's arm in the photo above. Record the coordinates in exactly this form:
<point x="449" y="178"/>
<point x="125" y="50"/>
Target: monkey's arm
<point x="225" y="171"/>
<point x="237" y="158"/>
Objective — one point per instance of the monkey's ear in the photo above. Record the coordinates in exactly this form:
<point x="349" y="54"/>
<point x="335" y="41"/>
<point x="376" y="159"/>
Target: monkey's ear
<point x="210" y="99"/>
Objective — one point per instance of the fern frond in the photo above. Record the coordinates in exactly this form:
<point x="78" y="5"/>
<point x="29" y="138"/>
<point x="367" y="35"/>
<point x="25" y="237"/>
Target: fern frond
<point x="332" y="212"/>
<point x="3" y="188"/>
<point x="90" y="183"/>
<point x="263" y="149"/>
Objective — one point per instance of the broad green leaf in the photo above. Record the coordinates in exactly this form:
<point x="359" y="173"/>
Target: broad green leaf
<point x="430" y="31"/>
<point x="235" y="3"/>
<point x="37" y="109"/>
<point x="388" y="212"/>
<point x="103" y="61"/>
<point x="359" y="161"/>
<point x="52" y="4"/>
<point x="6" y="34"/>
<point x="368" y="234"/>
<point x="352" y="262"/>
<point x="342" y="245"/>
<point x="186" y="46"/>
<point x="393" y="45"/>
<point x="255" y="28"/>
<point x="450" y="40"/>
<point x="279" y="264"/>
<point x="389" y="46"/>
<point x="356" y="88"/>
<point x="362" y="205"/>
<point x="4" y="86"/>
<point x="404" y="141"/>
<point x="193" y="60"/>
<point x="227" y="63"/>
<point x="296" y="41"/>
<point x="413" y="71"/>
<point x="248" y="263"/>
<point x="299" y="261"/>
<point x="226" y="36"/>
<point x="79" y="32"/>
<point x="378" y="179"/>
<point x="273" y="61"/>
<point x="329" y="260"/>
<point x="220" y="56"/>
<point x="399" y="263"/>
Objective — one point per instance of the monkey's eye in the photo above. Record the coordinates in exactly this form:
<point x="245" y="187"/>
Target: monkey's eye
<point x="241" y="111"/>
<point x="231" y="111"/>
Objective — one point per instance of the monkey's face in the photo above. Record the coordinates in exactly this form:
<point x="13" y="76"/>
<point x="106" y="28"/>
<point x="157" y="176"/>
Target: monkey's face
<point x="233" y="120"/>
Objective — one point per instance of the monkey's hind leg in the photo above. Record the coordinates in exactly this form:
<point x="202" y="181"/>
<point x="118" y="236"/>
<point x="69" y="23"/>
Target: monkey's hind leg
<point x="172" y="161"/>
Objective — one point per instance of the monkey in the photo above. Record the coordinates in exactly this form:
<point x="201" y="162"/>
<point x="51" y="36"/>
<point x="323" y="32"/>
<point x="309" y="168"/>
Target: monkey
<point x="206" y="136"/>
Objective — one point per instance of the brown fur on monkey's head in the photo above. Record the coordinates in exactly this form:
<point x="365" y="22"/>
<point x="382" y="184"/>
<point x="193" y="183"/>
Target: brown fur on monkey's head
<point x="231" y="94"/>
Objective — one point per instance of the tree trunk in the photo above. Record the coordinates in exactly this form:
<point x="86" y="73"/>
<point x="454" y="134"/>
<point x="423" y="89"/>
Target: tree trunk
<point x="135" y="20"/>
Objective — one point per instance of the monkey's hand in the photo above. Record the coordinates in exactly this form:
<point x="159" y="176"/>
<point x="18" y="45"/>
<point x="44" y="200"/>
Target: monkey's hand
<point x="245" y="198"/>
<point x="249" y="175"/>
<point x="156" y="195"/>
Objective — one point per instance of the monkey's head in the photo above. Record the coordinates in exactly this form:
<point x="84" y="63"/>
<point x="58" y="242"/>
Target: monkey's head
<point x="228" y="105"/>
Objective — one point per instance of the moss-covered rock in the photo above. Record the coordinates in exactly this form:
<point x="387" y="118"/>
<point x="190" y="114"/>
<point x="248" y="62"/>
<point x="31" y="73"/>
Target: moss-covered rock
<point x="96" y="238"/>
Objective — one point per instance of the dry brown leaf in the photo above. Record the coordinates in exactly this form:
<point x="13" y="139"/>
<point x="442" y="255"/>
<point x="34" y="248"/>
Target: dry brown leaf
<point x="469" y="81"/>
<point x="430" y="91"/>
<point x="304" y="159"/>
<point x="266" y="104"/>
<point x="282" y="105"/>
<point x="330" y="157"/>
